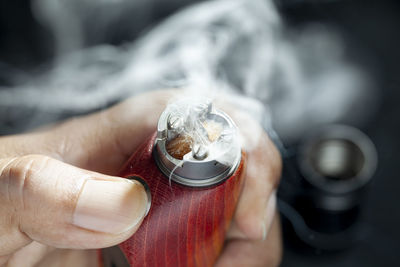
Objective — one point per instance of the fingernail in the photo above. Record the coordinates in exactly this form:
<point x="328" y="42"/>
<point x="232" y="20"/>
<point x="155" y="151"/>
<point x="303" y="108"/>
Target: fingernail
<point x="269" y="214"/>
<point x="110" y="206"/>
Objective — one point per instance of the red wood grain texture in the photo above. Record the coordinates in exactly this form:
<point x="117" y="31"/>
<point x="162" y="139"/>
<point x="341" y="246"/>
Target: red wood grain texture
<point x="185" y="226"/>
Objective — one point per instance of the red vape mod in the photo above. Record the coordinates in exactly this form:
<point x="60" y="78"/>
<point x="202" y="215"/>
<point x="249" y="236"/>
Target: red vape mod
<point x="193" y="169"/>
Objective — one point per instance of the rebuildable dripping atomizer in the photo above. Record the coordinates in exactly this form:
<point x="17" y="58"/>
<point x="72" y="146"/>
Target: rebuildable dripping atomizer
<point x="193" y="169"/>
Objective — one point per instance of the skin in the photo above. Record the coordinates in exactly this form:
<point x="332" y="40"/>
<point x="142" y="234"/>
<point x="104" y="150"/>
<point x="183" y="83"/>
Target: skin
<point x="97" y="145"/>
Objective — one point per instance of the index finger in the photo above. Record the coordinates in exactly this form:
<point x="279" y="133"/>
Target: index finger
<point x="100" y="142"/>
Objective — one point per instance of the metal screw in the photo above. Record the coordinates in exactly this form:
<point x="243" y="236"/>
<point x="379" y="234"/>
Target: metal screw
<point x="203" y="109"/>
<point x="174" y="122"/>
<point x="199" y="152"/>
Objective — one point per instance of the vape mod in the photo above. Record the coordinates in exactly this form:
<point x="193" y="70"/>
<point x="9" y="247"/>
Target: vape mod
<point x="193" y="169"/>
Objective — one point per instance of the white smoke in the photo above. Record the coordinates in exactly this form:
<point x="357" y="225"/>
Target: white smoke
<point x="235" y="46"/>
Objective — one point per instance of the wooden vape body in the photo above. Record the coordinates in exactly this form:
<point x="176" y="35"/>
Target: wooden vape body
<point x="185" y="226"/>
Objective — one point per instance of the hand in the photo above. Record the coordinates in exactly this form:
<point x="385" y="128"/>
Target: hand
<point x="254" y="238"/>
<point x="54" y="182"/>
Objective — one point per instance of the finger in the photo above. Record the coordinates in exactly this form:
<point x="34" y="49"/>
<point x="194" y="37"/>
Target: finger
<point x="56" y="204"/>
<point x="241" y="252"/>
<point x="29" y="255"/>
<point x="70" y="257"/>
<point x="101" y="141"/>
<point x="256" y="205"/>
<point x="238" y="230"/>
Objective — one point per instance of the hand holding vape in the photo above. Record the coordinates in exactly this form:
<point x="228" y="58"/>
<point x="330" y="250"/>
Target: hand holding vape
<point x="193" y="169"/>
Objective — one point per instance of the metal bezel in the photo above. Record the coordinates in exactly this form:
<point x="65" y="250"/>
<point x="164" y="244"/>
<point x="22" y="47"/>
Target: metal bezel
<point x="193" y="173"/>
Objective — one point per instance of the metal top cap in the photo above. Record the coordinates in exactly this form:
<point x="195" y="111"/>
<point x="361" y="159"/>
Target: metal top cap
<point x="196" y="145"/>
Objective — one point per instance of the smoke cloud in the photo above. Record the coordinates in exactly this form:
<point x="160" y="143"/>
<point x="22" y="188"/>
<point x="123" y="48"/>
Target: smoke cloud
<point x="289" y="81"/>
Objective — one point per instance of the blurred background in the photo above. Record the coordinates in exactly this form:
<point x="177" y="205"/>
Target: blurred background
<point x="309" y="67"/>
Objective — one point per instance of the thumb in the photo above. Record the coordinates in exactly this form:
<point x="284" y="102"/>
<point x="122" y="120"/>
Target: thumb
<point x="56" y="204"/>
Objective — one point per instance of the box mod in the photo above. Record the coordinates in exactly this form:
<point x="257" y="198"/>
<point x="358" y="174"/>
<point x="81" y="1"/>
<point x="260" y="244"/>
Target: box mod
<point x="193" y="169"/>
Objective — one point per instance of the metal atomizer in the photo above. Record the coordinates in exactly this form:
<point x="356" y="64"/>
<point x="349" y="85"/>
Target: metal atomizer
<point x="199" y="150"/>
<point x="193" y="168"/>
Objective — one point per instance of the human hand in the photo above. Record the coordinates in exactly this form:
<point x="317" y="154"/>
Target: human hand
<point x="53" y="199"/>
<point x="254" y="238"/>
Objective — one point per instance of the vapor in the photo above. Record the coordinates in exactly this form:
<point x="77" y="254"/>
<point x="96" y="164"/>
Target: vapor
<point x="288" y="81"/>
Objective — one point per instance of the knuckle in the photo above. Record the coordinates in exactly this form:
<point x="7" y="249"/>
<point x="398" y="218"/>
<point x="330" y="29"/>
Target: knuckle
<point x="20" y="173"/>
<point x="26" y="167"/>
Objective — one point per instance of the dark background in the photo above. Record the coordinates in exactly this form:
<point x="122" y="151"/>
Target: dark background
<point x="370" y="27"/>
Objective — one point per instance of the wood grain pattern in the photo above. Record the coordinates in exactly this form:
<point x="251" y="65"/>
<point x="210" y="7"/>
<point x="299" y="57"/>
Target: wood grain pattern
<point x="185" y="226"/>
